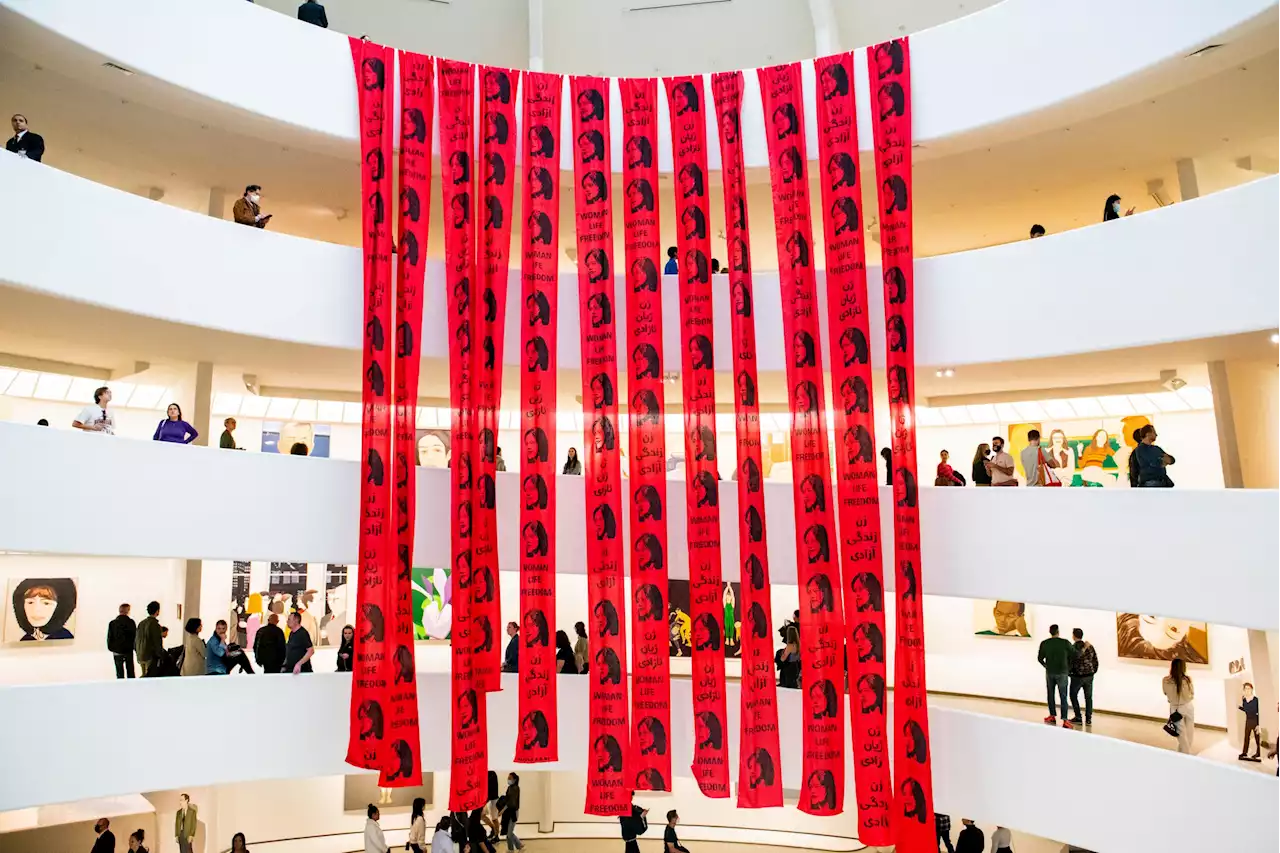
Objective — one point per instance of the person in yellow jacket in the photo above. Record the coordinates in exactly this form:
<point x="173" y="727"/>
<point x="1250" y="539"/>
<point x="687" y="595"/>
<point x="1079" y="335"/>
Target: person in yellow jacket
<point x="184" y="824"/>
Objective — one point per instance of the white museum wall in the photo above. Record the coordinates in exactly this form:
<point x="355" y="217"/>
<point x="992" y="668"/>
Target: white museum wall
<point x="131" y="246"/>
<point x="103" y="585"/>
<point x="972" y="755"/>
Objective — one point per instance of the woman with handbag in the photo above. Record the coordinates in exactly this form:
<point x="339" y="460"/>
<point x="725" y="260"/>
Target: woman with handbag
<point x="1181" y="694"/>
<point x="418" y="827"/>
<point x="1036" y="465"/>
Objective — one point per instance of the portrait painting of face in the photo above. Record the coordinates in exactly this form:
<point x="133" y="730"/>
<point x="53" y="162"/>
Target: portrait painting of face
<point x="1001" y="619"/>
<point x="433" y="448"/>
<point x="1144" y="637"/>
<point x="40" y="610"/>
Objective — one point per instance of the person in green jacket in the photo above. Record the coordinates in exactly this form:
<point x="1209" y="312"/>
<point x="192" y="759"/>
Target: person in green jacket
<point x="184" y="824"/>
<point x="1055" y="656"/>
<point x="148" y="643"/>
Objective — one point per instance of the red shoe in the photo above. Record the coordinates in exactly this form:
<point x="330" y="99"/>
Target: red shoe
<point x="1066" y="724"/>
<point x="1053" y="721"/>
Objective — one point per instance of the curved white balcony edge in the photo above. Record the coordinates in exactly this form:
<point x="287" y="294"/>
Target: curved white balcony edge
<point x="981" y="763"/>
<point x="1011" y="59"/>
<point x="128" y="249"/>
<point x="314" y="501"/>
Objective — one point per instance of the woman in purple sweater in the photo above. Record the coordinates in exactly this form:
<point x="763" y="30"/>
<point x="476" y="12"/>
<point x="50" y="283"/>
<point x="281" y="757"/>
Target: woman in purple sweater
<point x="174" y="428"/>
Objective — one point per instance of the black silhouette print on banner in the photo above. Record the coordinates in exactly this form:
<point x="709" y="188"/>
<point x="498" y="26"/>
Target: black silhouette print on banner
<point x="919" y="749"/>
<point x="704" y="444"/>
<point x="591" y="105"/>
<point x="537" y="633"/>
<point x="871" y="694"/>
<point x="461" y="207"/>
<point x="891" y="100"/>
<point x="904" y="488"/>
<point x="464" y="520"/>
<point x="639" y="152"/>
<point x="899" y="391"/>
<point x="821" y="790"/>
<point x="411" y="204"/>
<point x="685" y="96"/>
<point x="534" y="535"/>
<point x="703" y="353"/>
<point x="792" y="165"/>
<point x="406" y="563"/>
<point x="820" y="593"/>
<point x="644" y="408"/>
<point x="597" y="264"/>
<point x="696" y="263"/>
<point x="462" y="295"/>
<point x="534" y="731"/>
<point x="607" y="753"/>
<point x="644" y="276"/>
<point x="739" y="213"/>
<point x="858" y="445"/>
<point x="373" y="74"/>
<point x="374" y="332"/>
<point x="372" y="622"/>
<point x="535" y="492"/>
<point x="590" y="146"/>
<point x="402" y="766"/>
<point x="751" y="473"/>
<point x="753" y="570"/>
<point x="370" y="713"/>
<point x="755" y="524"/>
<point x="605" y="619"/>
<point x="853" y="347"/>
<point x="798" y="251"/>
<point x="645" y="363"/>
<point x="817" y="544"/>
<point x="468" y="711"/>
<point x="695" y="224"/>
<point x="486" y="493"/>
<point x="741" y="297"/>
<point x="896" y="283"/>
<point x="739" y="261"/>
<point x="536" y="446"/>
<point x="868" y="594"/>
<point x="909" y="585"/>
<point x="760" y="769"/>
<point x="785" y="121"/>
<point x="536" y="355"/>
<point x="404" y="665"/>
<point x="497" y="86"/>
<point x="542" y="142"/>
<point x="639" y="195"/>
<point x="648" y="603"/>
<point x="460" y="168"/>
<point x="486" y="635"/>
<point x="606" y="524"/>
<point x="896" y="189"/>
<point x="708" y="493"/>
<point x="413" y="126"/>
<point x="538" y="309"/>
<point x="648" y="504"/>
<point x="844" y="213"/>
<point x="746" y="388"/>
<point x="496" y="169"/>
<point x="495" y="216"/>
<point x="377" y="166"/>
<point x="409" y="249"/>
<point x="913" y="804"/>
<point x="652" y="736"/>
<point x="649" y="554"/>
<point x="868" y="643"/>
<point x="835" y="81"/>
<point x="378" y="208"/>
<point x="692" y="182"/>
<point x="890" y="59"/>
<point x="376" y="471"/>
<point x="539" y="228"/>
<point x="607" y="669"/>
<point x="595" y="187"/>
<point x="706" y="633"/>
<point x="603" y="434"/>
<point x="824" y="702"/>
<point x="496" y="128"/>
<point x="854" y="396"/>
<point x="730" y="126"/>
<point x="756" y="617"/>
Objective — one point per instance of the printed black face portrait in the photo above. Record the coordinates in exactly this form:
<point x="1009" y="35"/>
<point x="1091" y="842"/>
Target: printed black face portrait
<point x="813" y="494"/>
<point x="824" y="701"/>
<point x="494" y="216"/>
<point x="537" y="633"/>
<point x="495" y="169"/>
<point x="536" y="446"/>
<point x="644" y="408"/>
<point x="821" y="790"/>
<point x="644" y="276"/>
<point x="893" y="190"/>
<point x="739" y="256"/>
<point x="858" y="445"/>
<point x="891" y="100"/>
<point x="536" y="355"/>
<point x="696" y="268"/>
<point x="597" y="264"/>
<point x="804" y="398"/>
<point x="750" y="472"/>
<point x="899" y="392"/>
<point x="746" y="387"/>
<point x="704" y="443"/>
<point x="373" y="74"/>
<point x="590" y="146"/>
<point x="534" y="491"/>
<point x="639" y="152"/>
<point x="648" y="504"/>
<point x="410" y="204"/>
<point x="730" y="126"/>
<point x="798" y="251"/>
<point x="753" y="571"/>
<point x="468" y="710"/>
<point x="853" y="347"/>
<point x="760" y="769"/>
<point x="895" y="286"/>
<point x="590" y="105"/>
<point x="648" y="603"/>
<point x="645" y="363"/>
<point x="907" y="571"/>
<point x="408" y="248"/>
<point x="375" y="472"/>
<point x="605" y="619"/>
<point x="461" y="210"/>
<point x="378" y="207"/>
<point x="373" y="161"/>
<point x="370" y="715"/>
<point x="604" y="523"/>
<point x="817" y="544"/>
<point x="497" y="86"/>
<point x="595" y="188"/>
<point x="648" y="553"/>
<point x="607" y="754"/>
<point x="785" y="121"/>
<point x="890" y="59"/>
<point x="702" y="353"/>
<point x="791" y="165"/>
<point x="542" y="143"/>
<point x="372" y="625"/>
<point x="534" y="731"/>
<point x="834" y="81"/>
<point x="871" y="694"/>
<point x="496" y="128"/>
<point x="913" y="803"/>
<point x="844" y="216"/>
<point x="640" y="196"/>
<point x="706" y="633"/>
<point x="708" y="730"/>
<point x="652" y="735"/>
<point x="694" y="223"/>
<point x="539" y="225"/>
<point x="820" y="594"/>
<point x="460" y="168"/>
<point x="754" y="523"/>
<point x="918" y="750"/>
<point x="706" y="489"/>
<point x="602" y="391"/>
<point x="685" y="97"/>
<point x="896" y="333"/>
<point x="692" y="182"/>
<point x="868" y="643"/>
<point x="606" y="667"/>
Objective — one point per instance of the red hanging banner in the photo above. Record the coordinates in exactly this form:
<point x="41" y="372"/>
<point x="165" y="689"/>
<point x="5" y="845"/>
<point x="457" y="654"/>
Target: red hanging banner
<point x="759" y="753"/>
<point x="470" y="761"/>
<point x="608" y="786"/>
<point x="404" y="767"/>
<point x="369" y="743"/>
<point x="650" y="650"/>
<point x="702" y="476"/>
<point x="538" y="739"/>
<point x="847" y="316"/>
<point x="889" y="67"/>
<point x="821" y="606"/>
<point x="495" y="184"/>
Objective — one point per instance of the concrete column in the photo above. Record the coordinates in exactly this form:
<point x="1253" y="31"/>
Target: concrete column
<point x="190" y="596"/>
<point x="202" y="405"/>
<point x="217" y="202"/>
<point x="1262" y="670"/>
<point x="1224" y="414"/>
<point x="1188" y="185"/>
<point x="537" y="53"/>
<point x="826" y="34"/>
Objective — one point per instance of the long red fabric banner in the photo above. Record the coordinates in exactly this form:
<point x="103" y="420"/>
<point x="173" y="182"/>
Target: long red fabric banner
<point x="821" y="606"/>
<point x="889" y="67"/>
<point x="650" y="653"/>
<point x="538" y="739"/>
<point x="468" y="787"/>
<point x="702" y="487"/>
<point x="368" y="745"/>
<point x="497" y="159"/>
<point x="608" y="786"/>
<point x="404" y="766"/>
<point x="862" y="572"/>
<point x="759" y="753"/>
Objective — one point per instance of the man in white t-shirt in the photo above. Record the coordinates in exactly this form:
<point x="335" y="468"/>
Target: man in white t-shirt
<point x="1031" y="456"/>
<point x="1000" y="465"/>
<point x="96" y="418"/>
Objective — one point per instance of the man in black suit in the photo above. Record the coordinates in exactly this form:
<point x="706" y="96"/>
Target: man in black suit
<point x="313" y="13"/>
<point x="24" y="142"/>
<point x="106" y="840"/>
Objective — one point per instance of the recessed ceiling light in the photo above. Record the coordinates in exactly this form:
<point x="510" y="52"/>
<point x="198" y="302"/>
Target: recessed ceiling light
<point x="1275" y="339"/>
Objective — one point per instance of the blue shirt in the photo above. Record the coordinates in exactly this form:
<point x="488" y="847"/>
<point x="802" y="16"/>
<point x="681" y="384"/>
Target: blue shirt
<point x="178" y="431"/>
<point x="215" y="660"/>
<point x="511" y="660"/>
<point x="672" y="268"/>
<point x="1150" y="463"/>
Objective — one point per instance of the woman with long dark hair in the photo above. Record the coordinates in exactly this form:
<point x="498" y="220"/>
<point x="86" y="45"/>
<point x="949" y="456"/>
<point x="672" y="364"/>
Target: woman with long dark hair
<point x="1111" y="209"/>
<point x="572" y="464"/>
<point x="418" y="827"/>
<point x="581" y="646"/>
<point x="174" y="429"/>
<point x="1181" y="694"/>
<point x="566" y="664"/>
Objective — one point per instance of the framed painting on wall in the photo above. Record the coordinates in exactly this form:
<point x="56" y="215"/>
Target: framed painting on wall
<point x="682" y="630"/>
<point x="1143" y="637"/>
<point x="40" y="610"/>
<point x="432" y="604"/>
<point x="1001" y="619"/>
